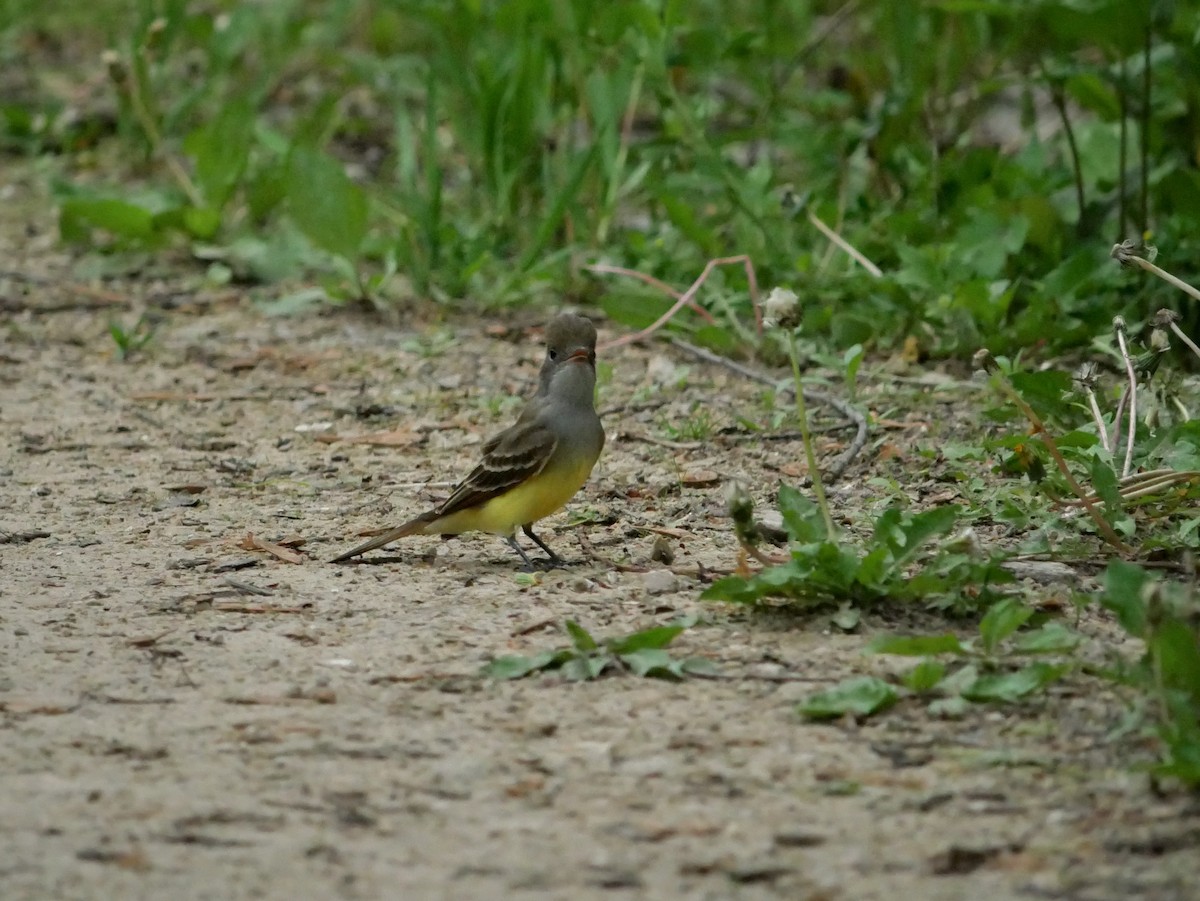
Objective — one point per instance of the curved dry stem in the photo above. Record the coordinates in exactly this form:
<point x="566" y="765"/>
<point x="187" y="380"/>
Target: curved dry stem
<point x="684" y="299"/>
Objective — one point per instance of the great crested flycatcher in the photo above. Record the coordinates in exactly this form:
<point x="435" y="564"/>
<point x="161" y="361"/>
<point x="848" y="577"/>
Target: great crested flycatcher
<point x="535" y="466"/>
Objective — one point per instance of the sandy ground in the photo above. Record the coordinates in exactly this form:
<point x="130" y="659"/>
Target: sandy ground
<point x="186" y="718"/>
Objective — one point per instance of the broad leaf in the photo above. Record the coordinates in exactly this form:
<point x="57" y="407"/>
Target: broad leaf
<point x="916" y="645"/>
<point x="327" y="206"/>
<point x="862" y="696"/>
<point x="1012" y="687"/>
<point x="1001" y="621"/>
<point x="580" y="637"/>
<point x="658" y="637"/>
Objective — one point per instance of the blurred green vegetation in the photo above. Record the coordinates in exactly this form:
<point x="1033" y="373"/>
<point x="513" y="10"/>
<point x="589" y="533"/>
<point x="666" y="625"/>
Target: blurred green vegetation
<point x="985" y="155"/>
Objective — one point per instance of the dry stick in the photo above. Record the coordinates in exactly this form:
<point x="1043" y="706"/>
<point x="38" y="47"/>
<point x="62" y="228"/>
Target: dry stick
<point x="686" y="298"/>
<point x="1119" y="326"/>
<point x="1039" y="429"/>
<point x="99" y="295"/>
<point x="1144" y="484"/>
<point x="845" y="245"/>
<point x="653" y="282"/>
<point x="782" y="386"/>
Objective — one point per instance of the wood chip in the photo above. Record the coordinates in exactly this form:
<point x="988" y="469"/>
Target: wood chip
<point x="252" y="543"/>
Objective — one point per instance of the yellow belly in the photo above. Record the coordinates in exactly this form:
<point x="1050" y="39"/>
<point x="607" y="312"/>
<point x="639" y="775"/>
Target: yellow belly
<point x="545" y="493"/>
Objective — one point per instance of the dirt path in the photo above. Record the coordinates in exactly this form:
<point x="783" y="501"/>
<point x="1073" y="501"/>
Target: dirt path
<point x="169" y="731"/>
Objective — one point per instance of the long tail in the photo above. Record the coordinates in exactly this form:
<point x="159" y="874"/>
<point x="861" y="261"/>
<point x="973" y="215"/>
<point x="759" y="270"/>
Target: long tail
<point x="412" y="527"/>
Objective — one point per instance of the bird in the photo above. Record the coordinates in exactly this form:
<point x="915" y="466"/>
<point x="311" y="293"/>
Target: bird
<point x="532" y="468"/>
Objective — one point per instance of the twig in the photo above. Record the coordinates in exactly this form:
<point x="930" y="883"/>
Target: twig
<point x="845" y="245"/>
<point x="687" y="296"/>
<point x="653" y="282"/>
<point x="1119" y="327"/>
<point x="1144" y="484"/>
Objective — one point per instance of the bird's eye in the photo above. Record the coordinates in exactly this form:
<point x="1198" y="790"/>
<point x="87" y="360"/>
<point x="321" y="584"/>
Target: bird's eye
<point x="552" y="354"/>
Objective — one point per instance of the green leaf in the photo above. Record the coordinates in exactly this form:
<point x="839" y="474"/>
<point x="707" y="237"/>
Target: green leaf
<point x="325" y="204"/>
<point x="1046" y="391"/>
<point x="580" y="637"/>
<point x="221" y="149"/>
<point x="658" y="637"/>
<point x="1175" y="647"/>
<point x="1051" y="638"/>
<point x="862" y="696"/>
<point x="1001" y="621"/>
<point x="514" y="667"/>
<point x="1104" y="481"/>
<point x="558" y="208"/>
<point x="801" y="516"/>
<point x="198" y="222"/>
<point x="925" y="676"/>
<point x="1124" y="595"/>
<point x="635" y="310"/>
<point x="788" y="580"/>
<point x="906" y="535"/>
<point x="1012" y="687"/>
<point x="653" y="662"/>
<point x="585" y="667"/>
<point x="916" y="645"/>
<point x="79" y="217"/>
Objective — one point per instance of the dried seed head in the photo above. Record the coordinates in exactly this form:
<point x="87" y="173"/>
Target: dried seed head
<point x="983" y="361"/>
<point x="1118" y="324"/>
<point x="1086" y="376"/>
<point x="1164" y="317"/>
<point x="154" y="33"/>
<point x="1125" y="252"/>
<point x="781" y="309"/>
<point x="118" y="72"/>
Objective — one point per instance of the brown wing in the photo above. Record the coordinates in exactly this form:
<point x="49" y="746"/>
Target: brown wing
<point x="516" y="454"/>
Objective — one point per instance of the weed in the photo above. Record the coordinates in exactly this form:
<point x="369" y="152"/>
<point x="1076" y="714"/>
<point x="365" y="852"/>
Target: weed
<point x="698" y="425"/>
<point x="641" y="653"/>
<point x="130" y="341"/>
<point x="982" y="672"/>
<point x="1165" y="616"/>
<point x="895" y="562"/>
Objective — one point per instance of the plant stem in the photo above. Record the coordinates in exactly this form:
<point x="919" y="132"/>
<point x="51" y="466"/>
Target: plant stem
<point x="1129" y="371"/>
<point x="806" y="436"/>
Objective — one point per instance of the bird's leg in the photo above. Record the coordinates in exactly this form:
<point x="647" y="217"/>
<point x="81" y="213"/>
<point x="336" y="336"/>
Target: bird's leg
<point x="555" y="560"/>
<point x="512" y="543"/>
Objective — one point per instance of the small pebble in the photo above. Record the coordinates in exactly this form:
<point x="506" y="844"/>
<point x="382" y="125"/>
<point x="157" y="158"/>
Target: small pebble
<point x="660" y="581"/>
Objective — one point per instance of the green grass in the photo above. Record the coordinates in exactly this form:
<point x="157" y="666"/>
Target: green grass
<point x="484" y="151"/>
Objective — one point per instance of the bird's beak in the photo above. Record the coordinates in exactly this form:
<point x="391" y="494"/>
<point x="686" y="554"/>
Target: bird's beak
<point x="581" y="354"/>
